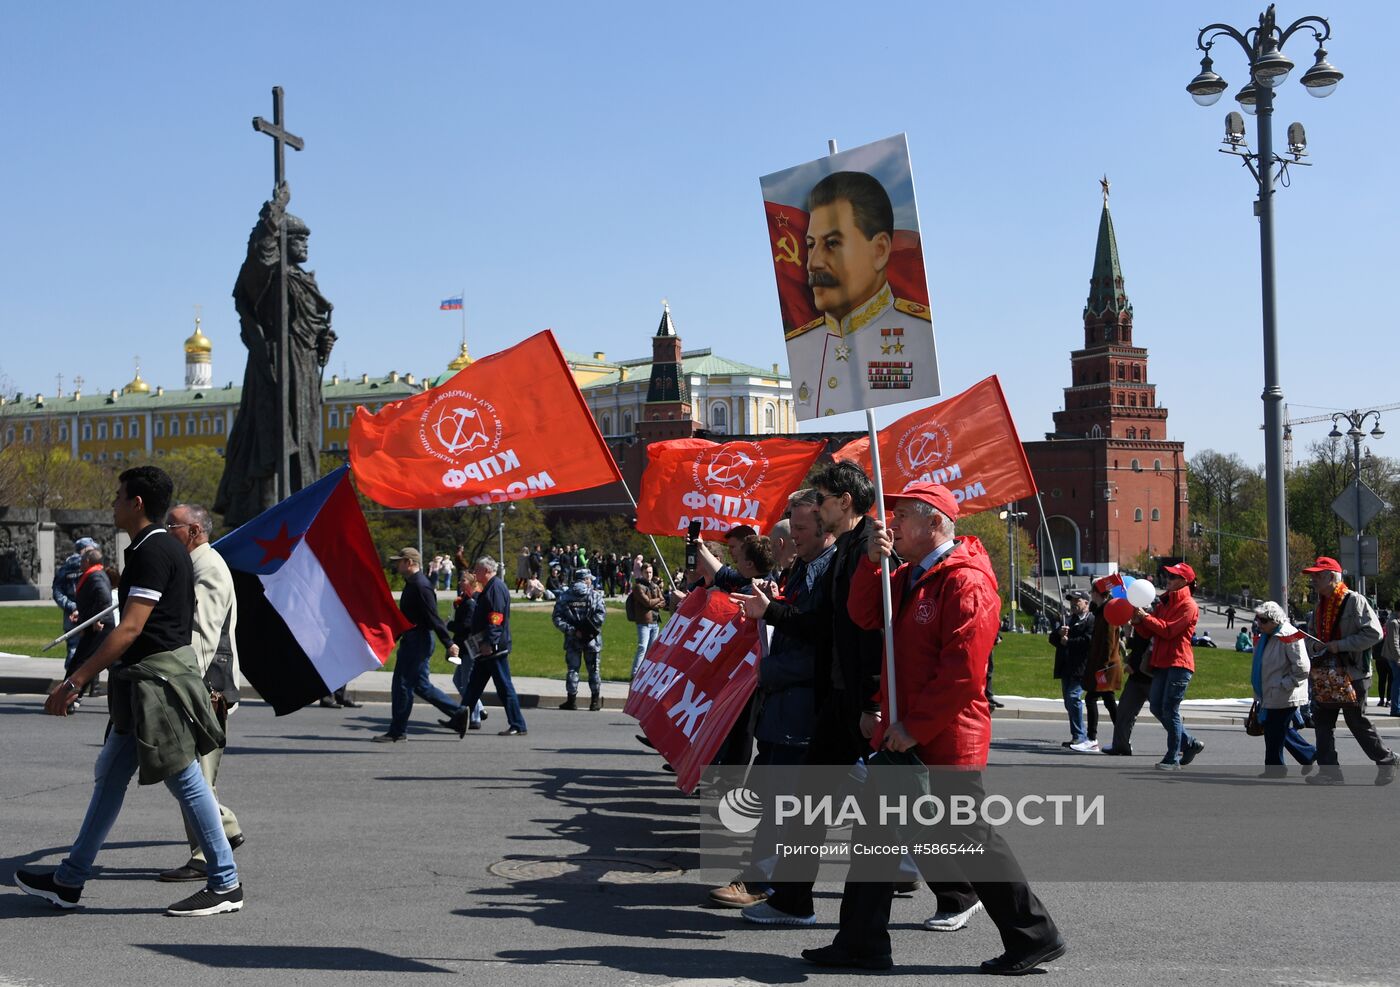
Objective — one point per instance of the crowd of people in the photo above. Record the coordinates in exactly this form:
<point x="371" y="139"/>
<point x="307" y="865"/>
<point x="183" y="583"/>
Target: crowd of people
<point x="1301" y="679"/>
<point x="821" y="696"/>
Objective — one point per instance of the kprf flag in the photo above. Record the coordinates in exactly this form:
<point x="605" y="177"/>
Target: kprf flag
<point x="510" y="426"/>
<point x="720" y="484"/>
<point x="968" y="443"/>
<point x="314" y="609"/>
<point x="694" y="682"/>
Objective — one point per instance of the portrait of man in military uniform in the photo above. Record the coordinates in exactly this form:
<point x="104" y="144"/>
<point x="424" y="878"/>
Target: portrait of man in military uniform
<point x="867" y="345"/>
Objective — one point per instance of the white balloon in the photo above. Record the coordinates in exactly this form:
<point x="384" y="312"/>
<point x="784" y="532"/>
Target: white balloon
<point x="1141" y="593"/>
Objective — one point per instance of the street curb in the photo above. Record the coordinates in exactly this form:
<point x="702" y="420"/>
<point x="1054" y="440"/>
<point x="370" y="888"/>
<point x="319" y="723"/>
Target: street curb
<point x="38" y="685"/>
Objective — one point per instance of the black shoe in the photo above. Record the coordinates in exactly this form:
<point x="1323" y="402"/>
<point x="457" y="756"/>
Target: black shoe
<point x="835" y="956"/>
<point x="328" y="703"/>
<point x="350" y="704"/>
<point x="186" y="873"/>
<point x="570" y="703"/>
<point x="388" y="738"/>
<point x="485" y="715"/>
<point x="906" y="887"/>
<point x="595" y="704"/>
<point x="512" y="732"/>
<point x="206" y="902"/>
<point x="44" y="886"/>
<point x="995" y="704"/>
<point x="1008" y="965"/>
<point x="1189" y="755"/>
<point x="235" y="842"/>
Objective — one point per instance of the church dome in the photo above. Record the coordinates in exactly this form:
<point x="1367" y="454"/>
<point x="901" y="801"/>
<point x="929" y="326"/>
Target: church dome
<point x="137" y="386"/>
<point x="461" y="361"/>
<point x="198" y="343"/>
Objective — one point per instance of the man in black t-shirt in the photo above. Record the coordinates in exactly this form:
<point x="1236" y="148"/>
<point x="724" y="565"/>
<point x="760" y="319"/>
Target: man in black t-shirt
<point x="157" y="610"/>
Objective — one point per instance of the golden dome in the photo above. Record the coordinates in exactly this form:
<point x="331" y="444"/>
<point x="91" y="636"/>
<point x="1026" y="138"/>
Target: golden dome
<point x="137" y="386"/>
<point x="462" y="360"/>
<point x="198" y="343"/>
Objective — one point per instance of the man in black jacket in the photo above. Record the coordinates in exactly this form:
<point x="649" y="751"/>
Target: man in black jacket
<point x="1072" y="640"/>
<point x="490" y="635"/>
<point x="419" y="604"/>
<point x="848" y="671"/>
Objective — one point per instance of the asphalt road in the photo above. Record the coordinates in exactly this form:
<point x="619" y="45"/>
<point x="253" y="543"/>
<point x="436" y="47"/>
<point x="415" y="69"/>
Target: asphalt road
<point x="562" y="858"/>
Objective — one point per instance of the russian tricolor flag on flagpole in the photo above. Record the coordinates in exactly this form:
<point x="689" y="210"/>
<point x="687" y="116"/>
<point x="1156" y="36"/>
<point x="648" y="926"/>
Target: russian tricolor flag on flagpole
<point x="450" y="304"/>
<point x="314" y="609"/>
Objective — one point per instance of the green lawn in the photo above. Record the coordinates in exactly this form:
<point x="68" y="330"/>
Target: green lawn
<point x="1023" y="661"/>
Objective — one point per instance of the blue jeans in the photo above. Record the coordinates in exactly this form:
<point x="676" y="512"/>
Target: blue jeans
<point x="411" y="678"/>
<point x="646" y="637"/>
<point x="1074" y="705"/>
<point x="495" y="669"/>
<point x="116" y="764"/>
<point x="1168" y="690"/>
<point x="460" y="677"/>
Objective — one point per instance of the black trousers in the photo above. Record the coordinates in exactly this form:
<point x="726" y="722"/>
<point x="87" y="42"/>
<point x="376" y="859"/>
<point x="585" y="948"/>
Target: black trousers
<point x="1325" y="725"/>
<point x="836" y="740"/>
<point x="1012" y="906"/>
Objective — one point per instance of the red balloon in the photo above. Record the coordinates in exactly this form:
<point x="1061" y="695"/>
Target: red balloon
<point x="1118" y="612"/>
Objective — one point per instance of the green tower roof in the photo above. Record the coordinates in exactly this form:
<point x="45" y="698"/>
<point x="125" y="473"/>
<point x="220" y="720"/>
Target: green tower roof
<point x="1106" y="294"/>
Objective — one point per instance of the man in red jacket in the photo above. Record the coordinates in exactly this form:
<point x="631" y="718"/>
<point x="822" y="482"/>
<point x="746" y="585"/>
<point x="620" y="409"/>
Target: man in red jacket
<point x="945" y="607"/>
<point x="1172" y="661"/>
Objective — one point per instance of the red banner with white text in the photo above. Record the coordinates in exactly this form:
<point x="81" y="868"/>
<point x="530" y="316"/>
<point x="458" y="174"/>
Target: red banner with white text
<point x="720" y="484"/>
<point x="694" y="682"/>
<point x="968" y="443"/>
<point x="510" y="426"/>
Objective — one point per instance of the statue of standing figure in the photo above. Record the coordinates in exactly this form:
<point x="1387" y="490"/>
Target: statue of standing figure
<point x="249" y="482"/>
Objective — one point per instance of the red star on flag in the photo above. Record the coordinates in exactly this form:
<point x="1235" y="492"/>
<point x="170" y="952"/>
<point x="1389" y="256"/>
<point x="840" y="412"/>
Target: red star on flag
<point x="278" y="548"/>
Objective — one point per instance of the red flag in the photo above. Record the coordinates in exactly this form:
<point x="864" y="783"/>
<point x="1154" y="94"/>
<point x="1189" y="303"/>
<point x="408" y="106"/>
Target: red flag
<point x="721" y="484"/>
<point x="511" y="426"/>
<point x="968" y="443"/>
<point x="694" y="682"/>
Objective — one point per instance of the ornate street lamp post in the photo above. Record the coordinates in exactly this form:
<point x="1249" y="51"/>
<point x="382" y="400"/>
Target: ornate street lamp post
<point x="1357" y="420"/>
<point x="1268" y="68"/>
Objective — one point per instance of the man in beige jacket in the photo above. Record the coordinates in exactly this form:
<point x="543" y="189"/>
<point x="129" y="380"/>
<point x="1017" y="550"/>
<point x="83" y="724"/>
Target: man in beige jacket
<point x="215" y="620"/>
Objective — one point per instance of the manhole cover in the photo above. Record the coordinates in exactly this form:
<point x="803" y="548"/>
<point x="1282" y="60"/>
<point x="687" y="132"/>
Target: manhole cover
<point x="585" y="870"/>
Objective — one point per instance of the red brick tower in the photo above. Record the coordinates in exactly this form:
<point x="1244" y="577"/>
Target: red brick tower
<point x="1113" y="485"/>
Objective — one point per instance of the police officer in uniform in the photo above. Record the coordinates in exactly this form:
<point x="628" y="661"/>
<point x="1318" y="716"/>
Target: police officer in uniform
<point x="869" y="348"/>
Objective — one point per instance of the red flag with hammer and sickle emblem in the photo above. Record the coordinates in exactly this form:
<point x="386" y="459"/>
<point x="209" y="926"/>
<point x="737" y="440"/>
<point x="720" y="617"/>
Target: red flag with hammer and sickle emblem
<point x="720" y="484"/>
<point x="510" y="426"/>
<point x="968" y="443"/>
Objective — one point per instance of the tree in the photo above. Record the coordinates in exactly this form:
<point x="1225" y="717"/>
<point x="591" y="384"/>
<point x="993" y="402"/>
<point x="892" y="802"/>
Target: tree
<point x="990" y="530"/>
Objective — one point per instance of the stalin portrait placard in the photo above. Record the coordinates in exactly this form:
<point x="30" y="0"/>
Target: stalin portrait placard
<point x="843" y="232"/>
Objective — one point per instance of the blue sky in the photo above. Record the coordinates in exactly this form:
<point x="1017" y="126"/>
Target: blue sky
<point x="571" y="165"/>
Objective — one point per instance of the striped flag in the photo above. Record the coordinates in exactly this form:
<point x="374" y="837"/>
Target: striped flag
<point x="313" y="604"/>
<point x="451" y="304"/>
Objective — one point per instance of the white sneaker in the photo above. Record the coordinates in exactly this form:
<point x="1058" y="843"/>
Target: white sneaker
<point x="1085" y="747"/>
<point x="951" y="921"/>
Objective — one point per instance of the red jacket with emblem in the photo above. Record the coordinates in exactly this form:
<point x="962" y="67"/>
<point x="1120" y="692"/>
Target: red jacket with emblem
<point x="945" y="627"/>
<point x="1171" y="625"/>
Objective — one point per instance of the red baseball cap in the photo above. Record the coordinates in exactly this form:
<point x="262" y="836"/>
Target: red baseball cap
<point x="1324" y="564"/>
<point x="1183" y="570"/>
<point x="935" y="494"/>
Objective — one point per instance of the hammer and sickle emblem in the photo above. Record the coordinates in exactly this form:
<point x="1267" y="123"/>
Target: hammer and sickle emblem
<point x="451" y="430"/>
<point x="787" y="250"/>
